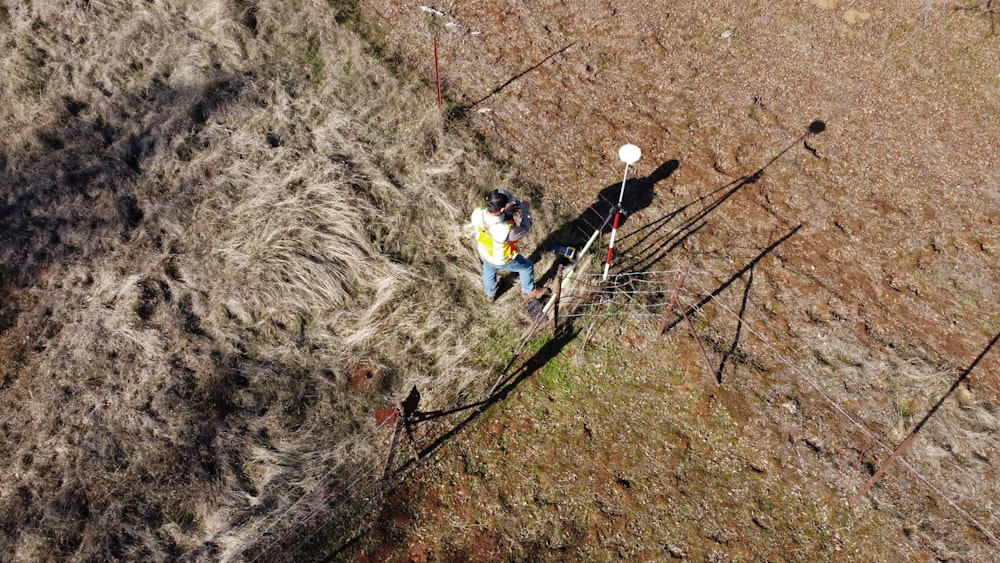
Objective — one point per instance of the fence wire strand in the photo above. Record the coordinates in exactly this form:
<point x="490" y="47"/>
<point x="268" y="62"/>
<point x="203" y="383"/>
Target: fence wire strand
<point x="843" y="412"/>
<point x="359" y="460"/>
<point x="649" y="294"/>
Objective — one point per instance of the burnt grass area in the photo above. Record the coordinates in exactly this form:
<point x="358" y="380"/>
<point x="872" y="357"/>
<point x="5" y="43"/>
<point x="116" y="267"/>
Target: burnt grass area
<point x="825" y="174"/>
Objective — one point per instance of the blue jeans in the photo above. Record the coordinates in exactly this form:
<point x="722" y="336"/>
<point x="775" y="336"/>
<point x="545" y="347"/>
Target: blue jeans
<point x="525" y="269"/>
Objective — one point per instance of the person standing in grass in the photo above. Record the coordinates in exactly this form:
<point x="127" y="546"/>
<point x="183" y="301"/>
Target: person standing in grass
<point x="497" y="235"/>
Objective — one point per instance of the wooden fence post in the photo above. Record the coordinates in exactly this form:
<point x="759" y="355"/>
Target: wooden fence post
<point x="403" y="417"/>
<point x="673" y="302"/>
<point x="437" y="72"/>
<point x="555" y="302"/>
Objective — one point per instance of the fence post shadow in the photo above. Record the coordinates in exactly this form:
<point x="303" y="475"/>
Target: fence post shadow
<point x="737" y="275"/>
<point x="905" y="444"/>
<point x="528" y="367"/>
<point x="460" y="111"/>
<point x="739" y="327"/>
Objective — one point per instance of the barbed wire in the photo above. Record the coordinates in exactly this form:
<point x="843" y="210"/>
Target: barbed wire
<point x="596" y="307"/>
<point x="592" y="299"/>
<point x="361" y="460"/>
<point x="353" y="493"/>
<point x="345" y="490"/>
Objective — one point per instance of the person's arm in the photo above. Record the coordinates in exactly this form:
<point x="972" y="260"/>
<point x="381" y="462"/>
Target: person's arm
<point x="520" y="231"/>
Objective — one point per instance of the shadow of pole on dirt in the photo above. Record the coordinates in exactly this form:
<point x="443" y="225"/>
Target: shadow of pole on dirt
<point x="739" y="328"/>
<point x="462" y="110"/>
<point x="724" y="285"/>
<point x="637" y="195"/>
<point x="905" y="444"/>
<point x="646" y="253"/>
<point x="647" y="246"/>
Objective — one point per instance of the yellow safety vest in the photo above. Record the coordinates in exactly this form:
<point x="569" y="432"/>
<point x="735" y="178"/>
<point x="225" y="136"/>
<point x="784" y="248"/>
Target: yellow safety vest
<point x="492" y="238"/>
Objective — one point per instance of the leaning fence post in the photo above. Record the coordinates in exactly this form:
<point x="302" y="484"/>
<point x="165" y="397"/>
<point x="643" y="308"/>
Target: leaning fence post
<point x="913" y="434"/>
<point x="673" y="302"/>
<point x="402" y="416"/>
<point x="393" y="445"/>
<point x="694" y="333"/>
<point x="555" y="302"/>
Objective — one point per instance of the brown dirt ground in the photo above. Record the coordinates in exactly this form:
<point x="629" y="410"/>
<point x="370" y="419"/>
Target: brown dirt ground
<point x="894" y="267"/>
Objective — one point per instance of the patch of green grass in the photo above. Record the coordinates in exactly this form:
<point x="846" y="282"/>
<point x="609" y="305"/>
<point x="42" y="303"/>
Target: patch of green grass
<point x="847" y="360"/>
<point x="556" y="377"/>
<point x="346" y="12"/>
<point x="905" y="408"/>
<point x="311" y="58"/>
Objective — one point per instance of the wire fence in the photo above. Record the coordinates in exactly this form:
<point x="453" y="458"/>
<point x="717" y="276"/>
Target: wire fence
<point x="648" y="294"/>
<point x="638" y="295"/>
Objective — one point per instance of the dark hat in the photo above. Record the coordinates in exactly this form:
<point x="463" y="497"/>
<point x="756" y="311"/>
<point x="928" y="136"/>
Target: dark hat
<point x="496" y="201"/>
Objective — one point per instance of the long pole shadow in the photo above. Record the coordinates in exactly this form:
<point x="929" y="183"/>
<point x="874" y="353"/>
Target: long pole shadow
<point x="739" y="328"/>
<point x="724" y="285"/>
<point x="460" y="110"/>
<point x="646" y="252"/>
<point x="649" y="253"/>
<point x="913" y="434"/>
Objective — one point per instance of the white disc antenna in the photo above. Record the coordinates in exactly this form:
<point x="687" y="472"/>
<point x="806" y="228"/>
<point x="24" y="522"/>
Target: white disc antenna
<point x="629" y="153"/>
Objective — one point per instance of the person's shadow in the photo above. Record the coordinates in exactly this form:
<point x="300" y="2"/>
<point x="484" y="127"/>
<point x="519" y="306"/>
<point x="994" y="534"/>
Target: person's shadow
<point x="637" y="196"/>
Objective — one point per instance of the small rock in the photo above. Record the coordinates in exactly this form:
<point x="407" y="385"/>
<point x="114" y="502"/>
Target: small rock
<point x="763" y="521"/>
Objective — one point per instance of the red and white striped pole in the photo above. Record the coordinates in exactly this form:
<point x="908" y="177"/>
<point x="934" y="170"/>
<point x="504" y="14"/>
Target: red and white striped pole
<point x="630" y="155"/>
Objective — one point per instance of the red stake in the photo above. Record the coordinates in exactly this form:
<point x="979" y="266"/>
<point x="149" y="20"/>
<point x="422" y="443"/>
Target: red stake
<point x="437" y="70"/>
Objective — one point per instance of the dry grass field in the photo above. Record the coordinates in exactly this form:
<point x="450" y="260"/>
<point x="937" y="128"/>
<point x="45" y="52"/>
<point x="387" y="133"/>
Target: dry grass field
<point x="229" y="233"/>
<point x="233" y="229"/>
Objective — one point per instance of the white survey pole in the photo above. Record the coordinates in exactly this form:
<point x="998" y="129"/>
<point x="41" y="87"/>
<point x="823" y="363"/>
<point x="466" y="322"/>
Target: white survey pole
<point x="629" y="154"/>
